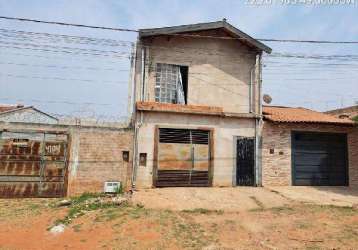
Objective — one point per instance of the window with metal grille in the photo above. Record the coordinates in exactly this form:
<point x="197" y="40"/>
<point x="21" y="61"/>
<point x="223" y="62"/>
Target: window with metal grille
<point x="171" y="83"/>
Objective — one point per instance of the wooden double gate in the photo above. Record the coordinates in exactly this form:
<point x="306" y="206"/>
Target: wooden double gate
<point x="32" y="164"/>
<point x="183" y="158"/>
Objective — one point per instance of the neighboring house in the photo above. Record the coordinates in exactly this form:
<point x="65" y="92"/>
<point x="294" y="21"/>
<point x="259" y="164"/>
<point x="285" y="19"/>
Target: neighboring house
<point x="350" y="112"/>
<point x="19" y="113"/>
<point x="198" y="116"/>
<point x="305" y="147"/>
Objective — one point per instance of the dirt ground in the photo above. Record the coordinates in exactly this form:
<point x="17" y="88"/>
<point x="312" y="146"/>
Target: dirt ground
<point x="227" y="199"/>
<point x="24" y="224"/>
<point x="336" y="196"/>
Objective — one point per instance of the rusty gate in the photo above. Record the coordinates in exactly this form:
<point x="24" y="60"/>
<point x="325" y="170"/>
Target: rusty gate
<point x="183" y="158"/>
<point x="32" y="164"/>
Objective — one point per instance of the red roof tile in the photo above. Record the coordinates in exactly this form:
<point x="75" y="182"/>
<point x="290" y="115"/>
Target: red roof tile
<point x="4" y="108"/>
<point x="287" y="114"/>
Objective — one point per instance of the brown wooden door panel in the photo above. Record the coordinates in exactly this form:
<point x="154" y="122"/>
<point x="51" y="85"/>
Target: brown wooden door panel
<point x="174" y="156"/>
<point x="201" y="157"/>
<point x="183" y="158"/>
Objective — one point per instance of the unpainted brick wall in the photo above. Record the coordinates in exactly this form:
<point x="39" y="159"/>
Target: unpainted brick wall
<point x="96" y="156"/>
<point x="276" y="168"/>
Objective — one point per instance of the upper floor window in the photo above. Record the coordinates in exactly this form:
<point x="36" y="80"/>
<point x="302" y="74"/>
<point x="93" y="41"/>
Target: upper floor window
<point x="171" y="83"/>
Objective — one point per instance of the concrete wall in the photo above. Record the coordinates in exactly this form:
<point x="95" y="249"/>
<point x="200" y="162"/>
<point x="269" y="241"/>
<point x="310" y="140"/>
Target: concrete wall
<point x="276" y="168"/>
<point x="96" y="157"/>
<point x="225" y="129"/>
<point x="219" y="70"/>
<point x="94" y="154"/>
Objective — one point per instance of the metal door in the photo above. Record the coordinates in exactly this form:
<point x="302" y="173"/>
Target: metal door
<point x="32" y="164"/>
<point x="319" y="159"/>
<point x="183" y="158"/>
<point x="245" y="162"/>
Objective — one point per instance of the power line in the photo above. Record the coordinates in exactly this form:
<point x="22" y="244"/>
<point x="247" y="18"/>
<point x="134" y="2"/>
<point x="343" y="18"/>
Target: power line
<point x="66" y="79"/>
<point x="182" y="49"/>
<point x="58" y="102"/>
<point x="306" y="41"/>
<point x="183" y="35"/>
<point x="45" y="34"/>
<point x="66" y="24"/>
<point x="65" y="52"/>
<point x="63" y="67"/>
<point x="50" y="57"/>
<point x="65" y="48"/>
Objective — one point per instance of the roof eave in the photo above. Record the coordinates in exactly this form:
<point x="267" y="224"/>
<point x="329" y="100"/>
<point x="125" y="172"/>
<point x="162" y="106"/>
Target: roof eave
<point x="28" y="107"/>
<point x="204" y="26"/>
<point x="313" y="122"/>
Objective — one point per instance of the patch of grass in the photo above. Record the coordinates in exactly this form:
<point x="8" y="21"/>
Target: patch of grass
<point x="341" y="210"/>
<point x="189" y="234"/>
<point x="348" y="233"/>
<point x="83" y="203"/>
<point x="84" y="197"/>
<point x="202" y="211"/>
<point x="13" y="208"/>
<point x="313" y="247"/>
<point x="282" y="209"/>
<point x="303" y="225"/>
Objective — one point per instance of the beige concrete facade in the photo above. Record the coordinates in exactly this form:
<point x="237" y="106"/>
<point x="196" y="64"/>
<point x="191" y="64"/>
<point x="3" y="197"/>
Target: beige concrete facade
<point x="220" y="71"/>
<point x="276" y="167"/>
<point x="223" y="152"/>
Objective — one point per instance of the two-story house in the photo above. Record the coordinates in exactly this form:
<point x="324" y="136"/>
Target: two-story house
<point x="198" y="108"/>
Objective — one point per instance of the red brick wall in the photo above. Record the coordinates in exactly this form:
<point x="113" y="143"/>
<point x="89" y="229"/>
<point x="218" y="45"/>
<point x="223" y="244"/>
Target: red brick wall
<point x="96" y="157"/>
<point x="276" y="168"/>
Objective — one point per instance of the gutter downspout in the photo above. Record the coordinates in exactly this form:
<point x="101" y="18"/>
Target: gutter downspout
<point x="250" y="90"/>
<point x="258" y="126"/>
<point x="137" y="124"/>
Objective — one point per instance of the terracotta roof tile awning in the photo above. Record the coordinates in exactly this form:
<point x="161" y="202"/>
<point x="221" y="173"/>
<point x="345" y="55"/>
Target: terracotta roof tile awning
<point x="296" y="115"/>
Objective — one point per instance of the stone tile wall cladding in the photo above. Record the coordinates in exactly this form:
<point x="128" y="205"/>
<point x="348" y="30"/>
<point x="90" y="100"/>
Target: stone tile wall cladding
<point x="96" y="156"/>
<point x="276" y="168"/>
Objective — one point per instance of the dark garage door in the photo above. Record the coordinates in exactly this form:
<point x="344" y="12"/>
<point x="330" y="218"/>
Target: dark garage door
<point x="319" y="159"/>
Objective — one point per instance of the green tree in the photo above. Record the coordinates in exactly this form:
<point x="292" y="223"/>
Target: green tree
<point x="355" y="118"/>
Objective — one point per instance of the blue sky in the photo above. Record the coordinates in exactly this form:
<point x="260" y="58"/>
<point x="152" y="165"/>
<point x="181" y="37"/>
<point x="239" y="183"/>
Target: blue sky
<point x="294" y="82"/>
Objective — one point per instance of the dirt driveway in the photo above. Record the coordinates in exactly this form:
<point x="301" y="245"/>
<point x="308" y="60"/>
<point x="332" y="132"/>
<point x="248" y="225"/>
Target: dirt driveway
<point x="242" y="198"/>
<point x="336" y="196"/>
<point x="227" y="199"/>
